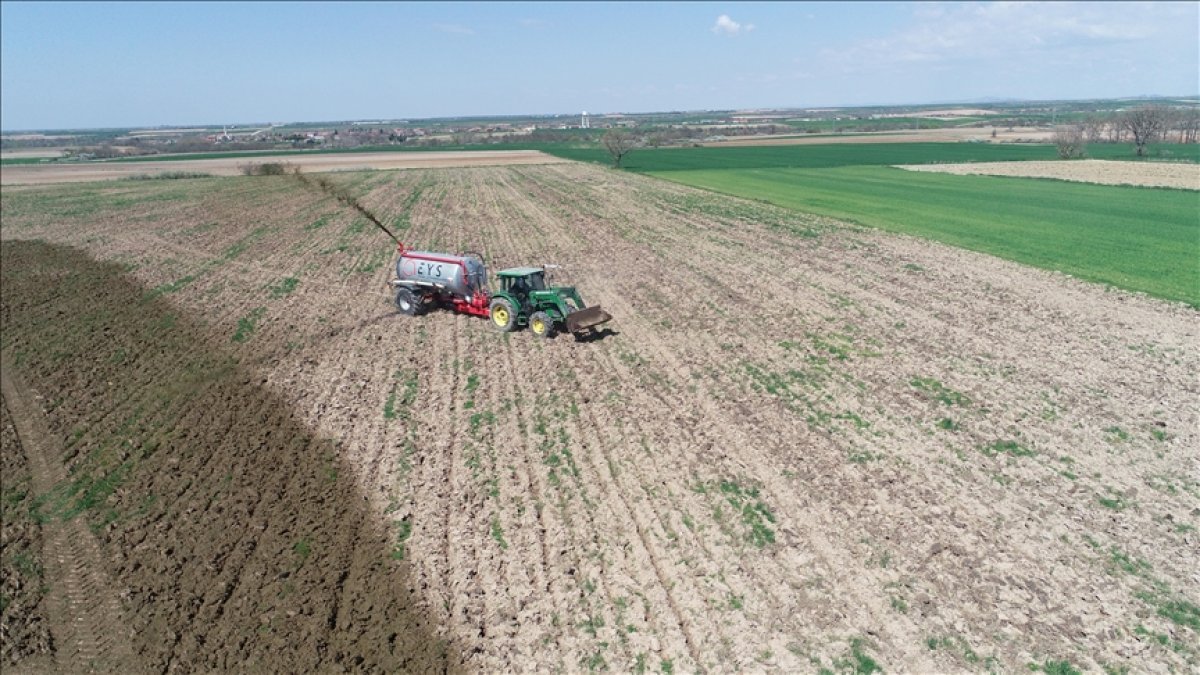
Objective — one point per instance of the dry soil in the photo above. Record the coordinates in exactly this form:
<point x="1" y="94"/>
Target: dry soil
<point x="1106" y="172"/>
<point x="32" y="174"/>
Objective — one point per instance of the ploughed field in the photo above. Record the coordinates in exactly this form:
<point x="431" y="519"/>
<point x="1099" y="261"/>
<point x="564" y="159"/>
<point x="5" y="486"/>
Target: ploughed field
<point x="805" y="445"/>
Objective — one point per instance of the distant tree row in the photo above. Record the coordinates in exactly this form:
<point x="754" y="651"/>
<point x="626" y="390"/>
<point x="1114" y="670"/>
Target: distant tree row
<point x="1140" y="126"/>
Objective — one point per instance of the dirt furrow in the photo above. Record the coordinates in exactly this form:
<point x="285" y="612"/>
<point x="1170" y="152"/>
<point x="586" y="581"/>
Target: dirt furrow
<point x="629" y="518"/>
<point x="541" y="524"/>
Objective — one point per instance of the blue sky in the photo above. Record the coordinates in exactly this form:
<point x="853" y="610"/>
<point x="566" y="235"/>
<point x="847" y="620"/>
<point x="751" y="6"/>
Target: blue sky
<point x="75" y="65"/>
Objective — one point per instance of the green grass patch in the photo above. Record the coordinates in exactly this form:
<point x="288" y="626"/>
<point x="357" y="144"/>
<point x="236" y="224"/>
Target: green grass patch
<point x="948" y="424"/>
<point x="247" y="324"/>
<point x="1136" y="238"/>
<point x="317" y="224"/>
<point x="1114" y="503"/>
<point x="239" y="247"/>
<point x="171" y="287"/>
<point x="498" y="532"/>
<point x="938" y="391"/>
<point x="953" y="643"/>
<point x="302" y="549"/>
<point x="755" y="515"/>
<point x="403" y="395"/>
<point x="1181" y="612"/>
<point x="1051" y="667"/>
<point x="87" y="492"/>
<point x="374" y="262"/>
<point x="284" y="287"/>
<point x="857" y="661"/>
<point x="1116" y="434"/>
<point x="1161" y="638"/>
<point x="1123" y="562"/>
<point x="1006" y="448"/>
<point x="403" y="534"/>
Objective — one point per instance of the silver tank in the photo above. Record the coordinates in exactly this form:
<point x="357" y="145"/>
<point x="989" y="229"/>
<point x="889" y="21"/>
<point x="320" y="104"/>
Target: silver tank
<point x="460" y="275"/>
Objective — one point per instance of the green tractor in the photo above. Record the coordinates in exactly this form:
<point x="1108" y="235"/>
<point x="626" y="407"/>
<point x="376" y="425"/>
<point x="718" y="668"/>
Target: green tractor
<point x="525" y="299"/>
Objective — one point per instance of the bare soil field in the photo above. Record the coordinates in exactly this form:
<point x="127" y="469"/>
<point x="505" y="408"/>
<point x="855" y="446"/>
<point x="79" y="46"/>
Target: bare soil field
<point x="35" y="174"/>
<point x="956" y="135"/>
<point x="1105" y="172"/>
<point x="805" y="444"/>
<point x="32" y="152"/>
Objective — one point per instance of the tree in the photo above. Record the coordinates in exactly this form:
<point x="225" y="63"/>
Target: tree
<point x="1070" y="141"/>
<point x="618" y="142"/>
<point x="1093" y="128"/>
<point x="1189" y="126"/>
<point x="1145" y="124"/>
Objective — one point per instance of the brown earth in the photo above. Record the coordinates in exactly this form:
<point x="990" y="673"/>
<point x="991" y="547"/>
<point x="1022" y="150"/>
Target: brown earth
<point x="235" y="539"/>
<point x="35" y="174"/>
<point x="1106" y="172"/>
<point x="804" y="445"/>
<point x="24" y="630"/>
<point x="83" y="609"/>
<point x="24" y="153"/>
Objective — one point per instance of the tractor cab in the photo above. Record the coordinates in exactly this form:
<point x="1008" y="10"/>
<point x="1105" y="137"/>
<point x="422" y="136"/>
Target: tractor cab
<point x="519" y="281"/>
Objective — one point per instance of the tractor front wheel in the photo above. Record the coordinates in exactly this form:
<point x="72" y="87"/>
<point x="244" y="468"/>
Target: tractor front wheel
<point x="502" y="314"/>
<point x="407" y="303"/>
<point x="541" y="325"/>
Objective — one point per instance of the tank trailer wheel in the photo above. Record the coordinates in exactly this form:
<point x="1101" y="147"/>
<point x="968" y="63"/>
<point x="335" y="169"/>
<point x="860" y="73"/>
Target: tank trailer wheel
<point x="502" y="315"/>
<point x="407" y="303"/>
<point x="541" y="324"/>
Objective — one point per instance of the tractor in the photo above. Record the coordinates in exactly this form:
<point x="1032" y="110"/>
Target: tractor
<point x="525" y="299"/>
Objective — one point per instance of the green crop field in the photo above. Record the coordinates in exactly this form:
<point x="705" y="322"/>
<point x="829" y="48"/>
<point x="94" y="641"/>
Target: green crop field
<point x="1142" y="239"/>
<point x="818" y="156"/>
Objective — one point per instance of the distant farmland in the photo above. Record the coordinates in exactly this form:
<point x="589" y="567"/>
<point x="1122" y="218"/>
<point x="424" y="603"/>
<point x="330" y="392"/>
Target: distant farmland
<point x="1142" y="239"/>
<point x="852" y="154"/>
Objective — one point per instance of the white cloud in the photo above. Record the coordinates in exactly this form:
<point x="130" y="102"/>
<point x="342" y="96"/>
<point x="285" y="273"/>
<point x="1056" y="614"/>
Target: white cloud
<point x="454" y="28"/>
<point x="1036" y="50"/>
<point x="728" y="26"/>
<point x="976" y="31"/>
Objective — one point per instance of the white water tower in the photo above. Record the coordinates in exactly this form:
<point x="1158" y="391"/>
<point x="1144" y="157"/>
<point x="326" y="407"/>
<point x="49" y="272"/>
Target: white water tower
<point x="583" y="121"/>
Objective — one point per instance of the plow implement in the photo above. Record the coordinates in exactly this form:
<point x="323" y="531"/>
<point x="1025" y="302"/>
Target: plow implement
<point x="586" y="319"/>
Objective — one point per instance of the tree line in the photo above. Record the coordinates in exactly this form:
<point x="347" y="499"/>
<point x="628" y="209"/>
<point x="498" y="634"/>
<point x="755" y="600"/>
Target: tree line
<point x="1141" y="126"/>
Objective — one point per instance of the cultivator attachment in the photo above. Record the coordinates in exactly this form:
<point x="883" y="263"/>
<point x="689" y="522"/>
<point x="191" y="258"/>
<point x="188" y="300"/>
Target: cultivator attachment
<point x="586" y="319"/>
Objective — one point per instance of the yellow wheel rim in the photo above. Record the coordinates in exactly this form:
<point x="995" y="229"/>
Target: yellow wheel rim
<point x="539" y="326"/>
<point x="500" y="316"/>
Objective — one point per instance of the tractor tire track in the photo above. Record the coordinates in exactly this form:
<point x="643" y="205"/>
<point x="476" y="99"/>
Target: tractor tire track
<point x="85" y="614"/>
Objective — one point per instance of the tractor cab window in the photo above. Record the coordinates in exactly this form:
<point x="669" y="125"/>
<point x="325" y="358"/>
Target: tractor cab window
<point x="523" y="285"/>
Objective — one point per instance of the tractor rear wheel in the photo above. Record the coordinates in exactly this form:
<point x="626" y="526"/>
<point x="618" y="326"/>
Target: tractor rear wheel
<point x="541" y="324"/>
<point x="502" y="315"/>
<point x="407" y="303"/>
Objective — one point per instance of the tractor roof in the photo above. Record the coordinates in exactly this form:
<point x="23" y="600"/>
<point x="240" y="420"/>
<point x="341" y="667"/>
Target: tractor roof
<point x="519" y="272"/>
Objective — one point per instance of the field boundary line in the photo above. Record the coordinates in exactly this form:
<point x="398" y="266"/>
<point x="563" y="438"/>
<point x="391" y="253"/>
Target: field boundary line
<point x="85" y="616"/>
